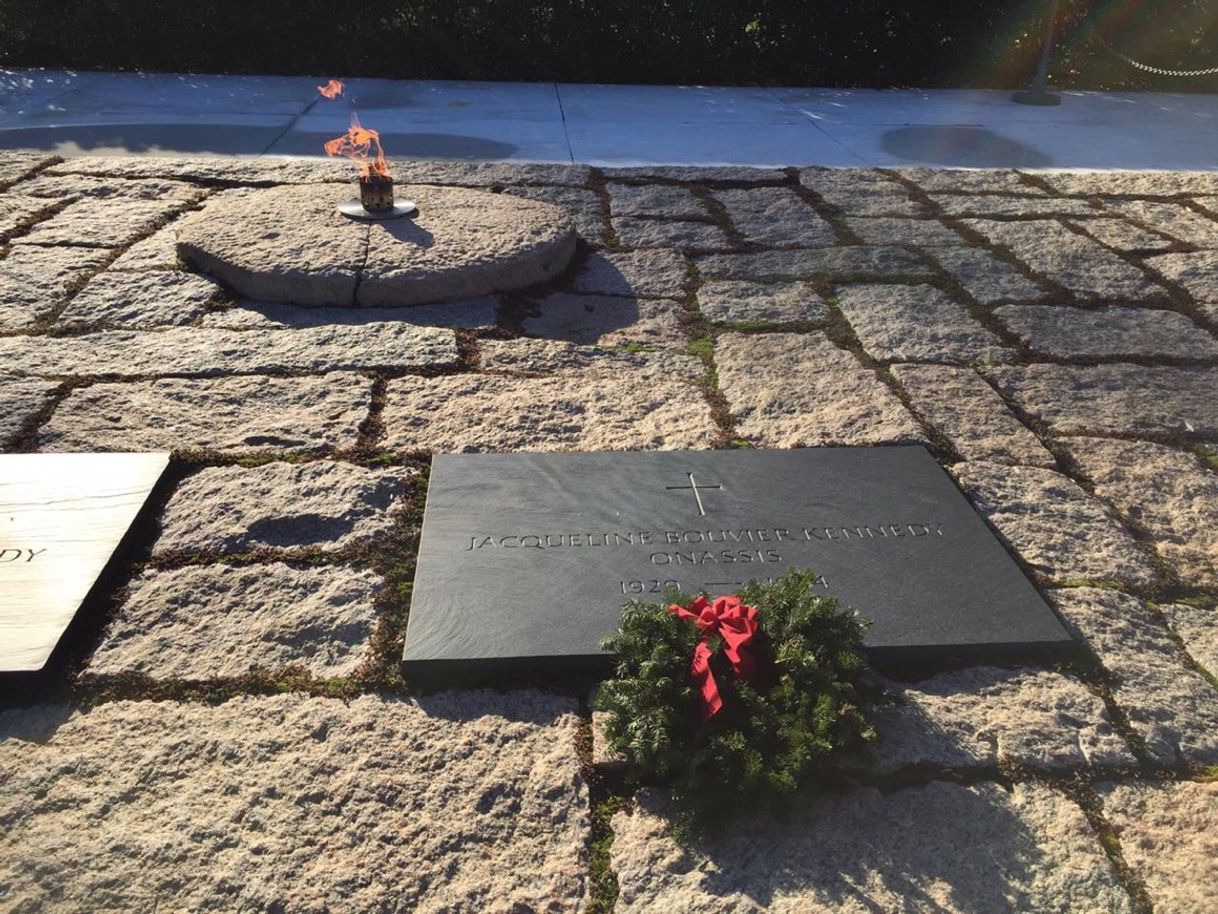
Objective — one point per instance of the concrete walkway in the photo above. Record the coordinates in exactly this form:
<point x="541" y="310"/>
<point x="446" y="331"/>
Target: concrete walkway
<point x="162" y="114"/>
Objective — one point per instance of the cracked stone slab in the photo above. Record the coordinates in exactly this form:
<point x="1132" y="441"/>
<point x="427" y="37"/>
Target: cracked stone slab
<point x="21" y="399"/>
<point x="224" y="621"/>
<point x="970" y="181"/>
<point x="986" y="278"/>
<point x="663" y="233"/>
<point x="985" y="717"/>
<point x="583" y="206"/>
<point x="956" y="206"/>
<point x="1057" y="528"/>
<point x="554" y="357"/>
<point x="154" y="298"/>
<point x="1116" y="399"/>
<point x="1167" y="832"/>
<point x="1196" y="273"/>
<point x="888" y="230"/>
<point x="16" y="165"/>
<point x="838" y="263"/>
<point x="860" y="192"/>
<point x="1079" y="264"/>
<point x="1166" y="492"/>
<point x="34" y="281"/>
<point x="78" y="185"/>
<point x="964" y="409"/>
<point x="638" y="274"/>
<point x="101" y="223"/>
<point x="606" y="320"/>
<point x="206" y="352"/>
<point x="248" y="414"/>
<point x="18" y="212"/>
<point x="776" y="217"/>
<point x="1107" y="332"/>
<point x="459" y="798"/>
<point x="652" y="200"/>
<point x="1171" y="218"/>
<point x="1197" y="628"/>
<point x="1172" y="708"/>
<point x="322" y="505"/>
<point x="793" y="390"/>
<point x="698" y="174"/>
<point x="468" y="314"/>
<point x="1124" y="236"/>
<point x="742" y="302"/>
<point x="866" y="851"/>
<point x="468" y="413"/>
<point x="159" y="251"/>
<point x="289" y="244"/>
<point x="895" y="322"/>
<point x="1131" y="183"/>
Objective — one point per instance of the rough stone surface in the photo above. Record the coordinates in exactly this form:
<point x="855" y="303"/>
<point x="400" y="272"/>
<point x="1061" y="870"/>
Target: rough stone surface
<point x="1169" y="837"/>
<point x="465" y="413"/>
<point x="1058" y="529"/>
<point x="20" y="400"/>
<point x="1198" y="629"/>
<point x="1107" y="332"/>
<point x="860" y="192"/>
<point x="100" y="223"/>
<point x="1131" y="183"/>
<point x="148" y="299"/>
<point x="222" y="621"/>
<point x="735" y="302"/>
<point x="581" y="205"/>
<point x="841" y="263"/>
<point x="470" y="314"/>
<point x="206" y="352"/>
<point x="1172" y="708"/>
<point x="966" y="411"/>
<point x="1079" y="264"/>
<point x="642" y="274"/>
<point x="1166" y="492"/>
<point x="75" y="185"/>
<point x="1195" y="273"/>
<point x="554" y="357"/>
<point x="34" y="281"/>
<point x="984" y="717"/>
<point x="651" y="200"/>
<point x="16" y="165"/>
<point x="701" y="174"/>
<point x="916" y="323"/>
<point x="886" y="230"/>
<point x="298" y="804"/>
<point x="606" y="320"/>
<point x="247" y="414"/>
<point x="789" y="390"/>
<point x="986" y="278"/>
<point x="970" y="180"/>
<point x="657" y="233"/>
<point x="321" y="505"/>
<point x="938" y="847"/>
<point x="1124" y="236"/>
<point x="776" y="216"/>
<point x="1115" y="399"/>
<point x="18" y="212"/>
<point x="989" y="205"/>
<point x="289" y="244"/>
<point x="159" y="251"/>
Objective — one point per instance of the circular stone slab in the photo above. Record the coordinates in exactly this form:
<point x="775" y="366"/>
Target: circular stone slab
<point x="290" y="244"/>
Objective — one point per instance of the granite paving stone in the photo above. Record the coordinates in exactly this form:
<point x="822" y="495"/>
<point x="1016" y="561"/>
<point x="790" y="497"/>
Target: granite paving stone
<point x="1081" y="265"/>
<point x="641" y="274"/>
<point x="840" y="263"/>
<point x="207" y="352"/>
<point x="863" y="851"/>
<point x="632" y="232"/>
<point x="698" y="174"/>
<point x="1197" y="628"/>
<point x="860" y="192"/>
<point x="323" y="505"/>
<point x="241" y="415"/>
<point x="159" y="251"/>
<point x="1196" y="273"/>
<point x="985" y="717"/>
<point x="457" y="802"/>
<point x="1131" y="183"/>
<point x="1174" y="219"/>
<point x="1058" y="529"/>
<point x="556" y="357"/>
<point x="1168" y="493"/>
<point x="21" y="399"/>
<point x="1115" y="399"/>
<point x="16" y="165"/>
<point x="108" y="187"/>
<point x="970" y="180"/>
<point x="224" y="621"/>
<point x="776" y="217"/>
<point x="1169" y="837"/>
<point x="965" y="410"/>
<point x="468" y="413"/>
<point x="18" y="212"/>
<point x="583" y="206"/>
<point x="1124" y="236"/>
<point x="742" y="302"/>
<point x="887" y="230"/>
<point x="100" y="223"/>
<point x="465" y="314"/>
<point x="793" y="390"/>
<point x="209" y="169"/>
<point x="1107" y="332"/>
<point x="606" y="320"/>
<point x="986" y="278"/>
<point x="154" y="298"/>
<point x="1172" y="708"/>
<point x="992" y="205"/>
<point x="34" y="281"/>
<point x="895" y="322"/>
<point x="653" y="200"/>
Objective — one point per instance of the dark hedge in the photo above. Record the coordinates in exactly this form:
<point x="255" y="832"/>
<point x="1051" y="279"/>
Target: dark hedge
<point x="792" y="42"/>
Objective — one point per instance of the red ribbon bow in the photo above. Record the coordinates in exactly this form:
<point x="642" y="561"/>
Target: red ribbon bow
<point x="736" y="624"/>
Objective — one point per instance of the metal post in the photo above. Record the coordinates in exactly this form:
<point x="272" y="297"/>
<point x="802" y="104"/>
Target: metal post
<point x="1038" y="93"/>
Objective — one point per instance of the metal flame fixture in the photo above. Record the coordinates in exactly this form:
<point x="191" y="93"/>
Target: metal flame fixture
<point x="376" y="200"/>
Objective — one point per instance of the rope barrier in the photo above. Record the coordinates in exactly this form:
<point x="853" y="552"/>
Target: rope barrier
<point x="1158" y="71"/>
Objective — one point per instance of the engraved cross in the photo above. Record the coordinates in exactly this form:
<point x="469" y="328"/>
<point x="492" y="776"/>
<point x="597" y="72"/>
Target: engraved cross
<point x="694" y="487"/>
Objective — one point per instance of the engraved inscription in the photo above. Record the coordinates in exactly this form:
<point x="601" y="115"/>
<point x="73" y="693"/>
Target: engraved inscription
<point x="23" y="556"/>
<point x="695" y="488"/>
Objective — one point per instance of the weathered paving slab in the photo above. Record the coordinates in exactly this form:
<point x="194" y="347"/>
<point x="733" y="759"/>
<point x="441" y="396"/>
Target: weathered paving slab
<point x="18" y="212"/>
<point x="322" y="505"/>
<point x="21" y="399"/>
<point x="207" y="352"/>
<point x="108" y="187"/>
<point x="159" y="251"/>
<point x="1167" y="832"/>
<point x="555" y="357"/>
<point x="701" y="174"/>
<point x="34" y="281"/>
<point x="1107" y="332"/>
<point x="791" y="390"/>
<point x="1086" y="268"/>
<point x="466" y="413"/>
<point x="984" y="717"/>
<point x="1171" y="218"/>
<point x="225" y="621"/>
<point x="1197" y="627"/>
<point x="652" y="200"/>
<point x="1172" y="708"/>
<point x="664" y="233"/>
<point x="860" y="192"/>
<point x="991" y="205"/>
<point x="737" y="302"/>
<point x="1057" y="528"/>
<point x="838" y="263"/>
<point x="153" y="804"/>
<point x="970" y="181"/>
<point x="888" y="230"/>
<point x="248" y="414"/>
<point x="581" y="205"/>
<point x="777" y="217"/>
<point x="1131" y="183"/>
<point x="986" y="278"/>
<point x="638" y="274"/>
<point x="1196" y="273"/>
<point x="1124" y="236"/>
<point x="148" y="299"/>
<point x="1114" y="399"/>
<point x="963" y="408"/>
<point x="1168" y="493"/>
<point x="99" y="223"/>
<point x="468" y="314"/>
<point x="606" y="320"/>
<point x="864" y="851"/>
<point x="920" y="322"/>
<point x="16" y="165"/>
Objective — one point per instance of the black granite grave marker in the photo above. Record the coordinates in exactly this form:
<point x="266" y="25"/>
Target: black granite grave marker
<point x="526" y="559"/>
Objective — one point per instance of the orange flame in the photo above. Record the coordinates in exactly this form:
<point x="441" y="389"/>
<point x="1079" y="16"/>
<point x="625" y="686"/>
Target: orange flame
<point x="332" y="89"/>
<point x="362" y="146"/>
